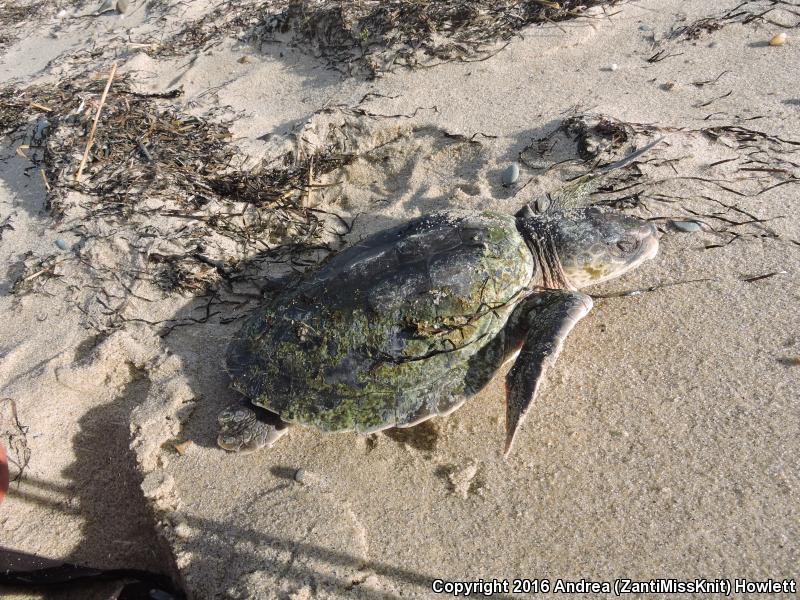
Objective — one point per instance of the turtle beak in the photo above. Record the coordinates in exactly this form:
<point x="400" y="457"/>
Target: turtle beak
<point x="650" y="236"/>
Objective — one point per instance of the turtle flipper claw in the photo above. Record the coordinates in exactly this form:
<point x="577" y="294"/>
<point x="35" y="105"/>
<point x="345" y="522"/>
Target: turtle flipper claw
<point x="245" y="429"/>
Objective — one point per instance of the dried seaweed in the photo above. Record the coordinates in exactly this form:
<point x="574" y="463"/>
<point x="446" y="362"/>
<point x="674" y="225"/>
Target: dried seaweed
<point x="763" y="163"/>
<point x="228" y="18"/>
<point x="151" y="160"/>
<point x="781" y="13"/>
<point x="373" y="36"/>
<point x="14" y="14"/>
<point x="35" y="272"/>
<point x="370" y="37"/>
<point x="14" y="436"/>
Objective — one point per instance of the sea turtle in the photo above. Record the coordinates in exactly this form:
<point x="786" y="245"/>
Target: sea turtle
<point x="411" y="321"/>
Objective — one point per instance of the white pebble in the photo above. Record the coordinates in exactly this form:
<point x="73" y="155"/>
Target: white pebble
<point x="613" y="67"/>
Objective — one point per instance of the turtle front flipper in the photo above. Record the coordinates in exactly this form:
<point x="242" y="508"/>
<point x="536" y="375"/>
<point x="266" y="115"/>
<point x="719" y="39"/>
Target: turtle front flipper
<point x="548" y="318"/>
<point x="246" y="428"/>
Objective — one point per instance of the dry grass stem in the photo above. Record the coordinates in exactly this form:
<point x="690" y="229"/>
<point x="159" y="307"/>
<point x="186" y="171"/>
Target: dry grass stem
<point x="94" y="124"/>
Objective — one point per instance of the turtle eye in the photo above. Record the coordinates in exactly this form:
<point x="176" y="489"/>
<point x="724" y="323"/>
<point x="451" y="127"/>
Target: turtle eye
<point x="625" y="246"/>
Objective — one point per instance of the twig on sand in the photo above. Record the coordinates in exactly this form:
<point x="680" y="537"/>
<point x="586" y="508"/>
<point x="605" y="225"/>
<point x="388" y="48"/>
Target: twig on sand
<point x="652" y="288"/>
<point x="94" y="124"/>
<point x="753" y="278"/>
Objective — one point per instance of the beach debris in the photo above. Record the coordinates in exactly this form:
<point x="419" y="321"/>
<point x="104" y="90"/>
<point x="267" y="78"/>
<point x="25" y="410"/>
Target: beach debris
<point x="182" y="447"/>
<point x="62" y="244"/>
<point x="17" y="17"/>
<point x="686" y="226"/>
<point x="146" y="150"/>
<point x="122" y="6"/>
<point x="4" y="472"/>
<point x="300" y="475"/>
<point x="779" y="39"/>
<point x="6" y="225"/>
<point x="40" y="129"/>
<point x="35" y="273"/>
<point x="373" y="37"/>
<point x="663" y="54"/>
<point x="14" y="442"/>
<point x="94" y="123"/>
<point x="754" y="278"/>
<point x="647" y="290"/>
<point x="779" y="13"/>
<point x="510" y="174"/>
<point x="762" y="163"/>
<point x="599" y="135"/>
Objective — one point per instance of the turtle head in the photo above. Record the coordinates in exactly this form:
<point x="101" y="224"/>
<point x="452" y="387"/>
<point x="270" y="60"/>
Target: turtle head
<point x="590" y="245"/>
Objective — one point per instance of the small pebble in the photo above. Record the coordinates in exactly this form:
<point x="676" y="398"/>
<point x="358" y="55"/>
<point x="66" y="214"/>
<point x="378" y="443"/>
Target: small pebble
<point x="300" y="475"/>
<point x="686" y="226"/>
<point x="511" y="174"/>
<point x="778" y="40"/>
<point x="542" y="204"/>
<point x="41" y="126"/>
<point x="613" y="67"/>
<point x="122" y="6"/>
<point x="668" y="86"/>
<point x="62" y="244"/>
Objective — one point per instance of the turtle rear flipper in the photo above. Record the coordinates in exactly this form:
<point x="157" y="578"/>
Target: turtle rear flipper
<point x="550" y="317"/>
<point x="246" y="428"/>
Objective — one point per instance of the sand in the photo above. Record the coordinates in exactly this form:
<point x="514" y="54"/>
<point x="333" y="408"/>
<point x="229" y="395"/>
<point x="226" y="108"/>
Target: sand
<point x="666" y="440"/>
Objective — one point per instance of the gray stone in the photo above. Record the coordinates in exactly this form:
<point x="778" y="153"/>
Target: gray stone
<point x="510" y="175"/>
<point x="687" y="226"/>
